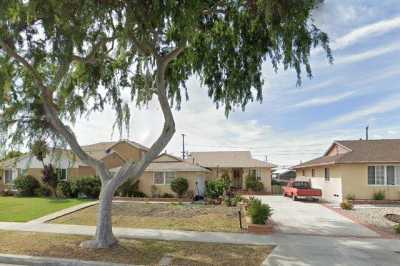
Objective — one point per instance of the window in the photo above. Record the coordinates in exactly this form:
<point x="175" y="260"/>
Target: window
<point x="327" y="174"/>
<point x="158" y="178"/>
<point x="169" y="176"/>
<point x="313" y="172"/>
<point x="384" y="175"/>
<point x="303" y="172"/>
<point x="61" y="174"/>
<point x="8" y="176"/>
<point x="390" y="175"/>
<point x="162" y="178"/>
<point x="256" y="172"/>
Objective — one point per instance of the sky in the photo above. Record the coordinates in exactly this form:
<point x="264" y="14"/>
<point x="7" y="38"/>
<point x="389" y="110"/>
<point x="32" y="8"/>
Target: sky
<point x="294" y="124"/>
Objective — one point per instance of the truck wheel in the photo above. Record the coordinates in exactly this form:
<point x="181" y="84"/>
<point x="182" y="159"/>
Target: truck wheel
<point x="294" y="197"/>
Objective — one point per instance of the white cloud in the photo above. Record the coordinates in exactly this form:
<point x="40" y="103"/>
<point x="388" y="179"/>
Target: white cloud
<point x="371" y="30"/>
<point x="318" y="101"/>
<point x="391" y="102"/>
<point x="367" y="55"/>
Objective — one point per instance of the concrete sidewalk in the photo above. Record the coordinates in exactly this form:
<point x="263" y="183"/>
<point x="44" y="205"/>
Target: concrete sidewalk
<point x="212" y="237"/>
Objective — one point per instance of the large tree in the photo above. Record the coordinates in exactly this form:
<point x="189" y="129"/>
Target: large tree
<point x="64" y="59"/>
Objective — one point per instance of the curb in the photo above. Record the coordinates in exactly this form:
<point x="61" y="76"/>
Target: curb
<point x="47" y="261"/>
<point x="61" y="213"/>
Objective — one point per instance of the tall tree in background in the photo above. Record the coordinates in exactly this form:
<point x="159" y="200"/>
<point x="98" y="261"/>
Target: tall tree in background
<point x="64" y="59"/>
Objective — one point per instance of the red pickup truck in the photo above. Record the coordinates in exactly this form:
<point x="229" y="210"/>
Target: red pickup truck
<point x="301" y="189"/>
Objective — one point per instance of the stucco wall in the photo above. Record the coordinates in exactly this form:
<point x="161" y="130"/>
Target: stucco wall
<point x="355" y="181"/>
<point x="146" y="182"/>
<point x="127" y="151"/>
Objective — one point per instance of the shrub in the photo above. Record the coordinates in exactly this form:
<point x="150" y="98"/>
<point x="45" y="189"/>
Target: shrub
<point x="397" y="228"/>
<point x="180" y="185"/>
<point x="259" y="212"/>
<point x="127" y="188"/>
<point x="215" y="188"/>
<point x="88" y="186"/>
<point x="350" y="197"/>
<point x="253" y="184"/>
<point x="138" y="194"/>
<point x="236" y="200"/>
<point x="42" y="192"/>
<point x="228" y="202"/>
<point x="167" y="195"/>
<point x="346" y="205"/>
<point x="26" y="185"/>
<point x="380" y="195"/>
<point x="64" y="188"/>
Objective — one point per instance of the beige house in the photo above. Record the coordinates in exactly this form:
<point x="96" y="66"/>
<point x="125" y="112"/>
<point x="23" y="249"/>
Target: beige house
<point x="155" y="180"/>
<point x="237" y="164"/>
<point x="198" y="169"/>
<point x="358" y="168"/>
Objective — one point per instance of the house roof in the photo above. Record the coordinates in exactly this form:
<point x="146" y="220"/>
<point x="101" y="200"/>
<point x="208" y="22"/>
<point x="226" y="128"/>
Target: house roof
<point x="226" y="159"/>
<point x="180" y="166"/>
<point x="360" y="151"/>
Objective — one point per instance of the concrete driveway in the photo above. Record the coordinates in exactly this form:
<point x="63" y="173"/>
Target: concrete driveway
<point x="298" y="217"/>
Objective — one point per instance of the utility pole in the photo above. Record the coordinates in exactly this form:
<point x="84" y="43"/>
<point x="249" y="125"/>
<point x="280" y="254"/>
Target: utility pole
<point x="183" y="146"/>
<point x="366" y="133"/>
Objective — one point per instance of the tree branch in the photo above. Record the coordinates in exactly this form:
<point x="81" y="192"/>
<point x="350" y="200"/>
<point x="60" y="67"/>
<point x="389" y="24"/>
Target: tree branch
<point x="51" y="114"/>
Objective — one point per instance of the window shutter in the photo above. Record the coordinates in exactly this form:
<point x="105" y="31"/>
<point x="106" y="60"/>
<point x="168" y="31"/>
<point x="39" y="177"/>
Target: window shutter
<point x="371" y="175"/>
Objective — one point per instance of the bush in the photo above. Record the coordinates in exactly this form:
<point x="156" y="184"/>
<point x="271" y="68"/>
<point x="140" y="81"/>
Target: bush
<point x="346" y="205"/>
<point x="380" y="195"/>
<point x="88" y="186"/>
<point x="253" y="184"/>
<point x="64" y="188"/>
<point x="26" y="185"/>
<point x="397" y="228"/>
<point x="215" y="188"/>
<point x="350" y="197"/>
<point x="42" y="192"/>
<point x="167" y="195"/>
<point x="259" y="212"/>
<point x="138" y="194"/>
<point x="128" y="188"/>
<point x="180" y="185"/>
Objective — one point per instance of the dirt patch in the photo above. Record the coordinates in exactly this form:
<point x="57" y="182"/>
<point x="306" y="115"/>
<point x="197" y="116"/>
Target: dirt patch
<point x="139" y="252"/>
<point x="174" y="216"/>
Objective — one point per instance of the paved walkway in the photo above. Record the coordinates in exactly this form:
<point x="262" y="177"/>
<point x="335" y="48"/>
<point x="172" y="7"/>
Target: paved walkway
<point x="291" y="250"/>
<point x="213" y="237"/>
<point x="310" y="218"/>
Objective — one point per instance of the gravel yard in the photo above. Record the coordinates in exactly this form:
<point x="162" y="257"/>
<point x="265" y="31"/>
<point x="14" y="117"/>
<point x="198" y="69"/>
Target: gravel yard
<point x="374" y="215"/>
<point x="193" y="217"/>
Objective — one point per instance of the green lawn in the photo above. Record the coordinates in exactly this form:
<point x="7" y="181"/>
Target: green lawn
<point x="14" y="209"/>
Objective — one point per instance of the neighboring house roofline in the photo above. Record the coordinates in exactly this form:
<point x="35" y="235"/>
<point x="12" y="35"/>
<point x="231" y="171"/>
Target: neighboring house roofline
<point x="336" y="142"/>
<point x="130" y="142"/>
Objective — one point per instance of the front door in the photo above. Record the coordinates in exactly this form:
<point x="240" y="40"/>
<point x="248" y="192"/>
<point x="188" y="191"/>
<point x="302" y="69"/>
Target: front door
<point x="237" y="178"/>
<point x="200" y="186"/>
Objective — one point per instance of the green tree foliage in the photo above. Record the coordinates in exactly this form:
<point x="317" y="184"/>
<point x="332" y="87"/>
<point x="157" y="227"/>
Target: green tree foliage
<point x="180" y="186"/>
<point x="61" y="60"/>
<point x="39" y="149"/>
<point x="88" y="52"/>
<point x="12" y="154"/>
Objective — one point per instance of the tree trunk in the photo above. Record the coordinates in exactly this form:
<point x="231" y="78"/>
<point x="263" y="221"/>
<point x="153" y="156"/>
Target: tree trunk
<point x="104" y="237"/>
